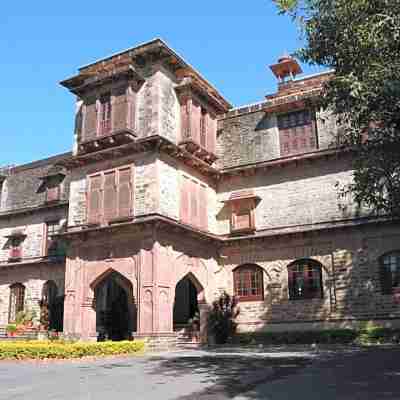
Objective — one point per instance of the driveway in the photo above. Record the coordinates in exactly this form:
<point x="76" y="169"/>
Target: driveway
<point x="238" y="374"/>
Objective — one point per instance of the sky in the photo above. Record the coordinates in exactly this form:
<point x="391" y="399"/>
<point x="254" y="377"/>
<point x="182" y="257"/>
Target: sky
<point x="231" y="43"/>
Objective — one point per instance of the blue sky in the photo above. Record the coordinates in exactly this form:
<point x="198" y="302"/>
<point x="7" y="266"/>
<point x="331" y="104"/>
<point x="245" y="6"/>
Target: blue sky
<point x="42" y="42"/>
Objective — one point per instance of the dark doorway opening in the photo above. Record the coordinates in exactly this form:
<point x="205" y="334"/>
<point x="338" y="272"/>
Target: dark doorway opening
<point x="115" y="309"/>
<point x="186" y="307"/>
<point x="51" y="308"/>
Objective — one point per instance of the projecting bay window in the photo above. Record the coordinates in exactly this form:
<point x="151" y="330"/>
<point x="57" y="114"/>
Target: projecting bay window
<point x="297" y="132"/>
<point x="109" y="113"/>
<point x="110" y="196"/>
<point x="242" y="206"/>
<point x="15" y="240"/>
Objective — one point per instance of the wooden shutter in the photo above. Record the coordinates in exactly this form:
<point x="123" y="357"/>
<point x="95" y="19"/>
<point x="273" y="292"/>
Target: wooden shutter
<point x="110" y="196"/>
<point x="131" y="99"/>
<point x="194" y="204"/>
<point x="203" y="128"/>
<point x="125" y="198"/>
<point x="90" y="119"/>
<point x="120" y="110"/>
<point x="105" y="115"/>
<point x="53" y="193"/>
<point x="203" y="215"/>
<point x="291" y="283"/>
<point x="211" y="134"/>
<point x="185" y="198"/>
<point x="185" y="120"/>
<point x="95" y="199"/>
<point x="195" y="116"/>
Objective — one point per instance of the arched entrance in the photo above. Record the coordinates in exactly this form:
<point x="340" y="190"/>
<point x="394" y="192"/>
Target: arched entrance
<point x="51" y="307"/>
<point x="116" y="312"/>
<point x="186" y="306"/>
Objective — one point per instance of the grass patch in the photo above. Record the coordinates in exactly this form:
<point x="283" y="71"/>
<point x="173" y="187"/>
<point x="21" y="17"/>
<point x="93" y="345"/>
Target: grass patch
<point x="40" y="350"/>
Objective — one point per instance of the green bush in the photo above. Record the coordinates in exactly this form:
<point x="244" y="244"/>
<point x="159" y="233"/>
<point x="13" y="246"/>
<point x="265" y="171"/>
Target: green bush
<point x="365" y="336"/>
<point x="21" y="350"/>
<point x="11" y="328"/>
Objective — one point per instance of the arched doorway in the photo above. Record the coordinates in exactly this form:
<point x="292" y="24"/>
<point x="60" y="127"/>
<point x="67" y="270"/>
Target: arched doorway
<point x="186" y="307"/>
<point x="116" y="312"/>
<point x="51" y="307"/>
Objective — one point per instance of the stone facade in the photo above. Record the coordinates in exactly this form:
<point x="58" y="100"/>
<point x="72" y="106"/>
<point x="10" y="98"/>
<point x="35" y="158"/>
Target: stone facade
<point x="131" y="239"/>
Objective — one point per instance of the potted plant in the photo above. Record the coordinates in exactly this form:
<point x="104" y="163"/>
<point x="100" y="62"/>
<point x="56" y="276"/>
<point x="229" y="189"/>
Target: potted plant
<point x="11" y="330"/>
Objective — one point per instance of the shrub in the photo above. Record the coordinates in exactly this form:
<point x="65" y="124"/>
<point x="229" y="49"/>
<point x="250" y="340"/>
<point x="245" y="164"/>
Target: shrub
<point x="11" y="328"/>
<point x="221" y="319"/>
<point x="20" y="350"/>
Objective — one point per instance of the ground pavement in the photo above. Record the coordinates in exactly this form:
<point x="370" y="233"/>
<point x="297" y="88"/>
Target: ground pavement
<point x="214" y="374"/>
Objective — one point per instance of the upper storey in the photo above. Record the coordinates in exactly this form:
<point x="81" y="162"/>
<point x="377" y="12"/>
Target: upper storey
<point x="145" y="91"/>
<point x="286" y="124"/>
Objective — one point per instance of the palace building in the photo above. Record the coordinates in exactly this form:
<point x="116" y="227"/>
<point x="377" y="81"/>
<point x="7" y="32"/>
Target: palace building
<point x="171" y="196"/>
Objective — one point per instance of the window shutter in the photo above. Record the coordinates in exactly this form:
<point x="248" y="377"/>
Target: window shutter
<point x="385" y="277"/>
<point x="110" y="196"/>
<point x="94" y="200"/>
<point x="185" y="193"/>
<point x="185" y="120"/>
<point x="120" y="110"/>
<point x="203" y="128"/>
<point x="53" y="193"/>
<point x="125" y="198"/>
<point x="131" y="98"/>
<point x="105" y="115"/>
<point x="194" y="206"/>
<point x="90" y="119"/>
<point x="195" y="122"/>
<point x="211" y="133"/>
<point x="203" y="200"/>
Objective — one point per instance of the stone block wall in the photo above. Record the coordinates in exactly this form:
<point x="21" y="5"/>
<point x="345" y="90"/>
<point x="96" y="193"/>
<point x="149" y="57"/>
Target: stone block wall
<point x="297" y="194"/>
<point x="351" y="283"/>
<point x="33" y="277"/>
<point x="145" y="194"/>
<point x="250" y="137"/>
<point x="34" y="227"/>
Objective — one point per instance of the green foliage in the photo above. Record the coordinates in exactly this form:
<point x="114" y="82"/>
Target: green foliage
<point x="25" y="317"/>
<point x="62" y="350"/>
<point x="11" y="328"/>
<point x="359" y="39"/>
<point x="221" y="319"/>
<point x="363" y="336"/>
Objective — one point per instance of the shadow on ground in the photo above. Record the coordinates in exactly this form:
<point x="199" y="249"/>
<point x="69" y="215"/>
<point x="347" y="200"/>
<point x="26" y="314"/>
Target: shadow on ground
<point x="226" y="373"/>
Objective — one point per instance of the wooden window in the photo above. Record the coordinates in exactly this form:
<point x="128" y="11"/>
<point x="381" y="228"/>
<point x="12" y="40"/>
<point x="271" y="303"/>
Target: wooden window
<point x="53" y="245"/>
<point x="17" y="300"/>
<point x="305" y="279"/>
<point x="203" y="128"/>
<point x="242" y="217"/>
<point x="95" y="201"/>
<point x="105" y="114"/>
<point x="90" y="119"/>
<point x="297" y="132"/>
<point x="110" y="196"/>
<point x="15" y="248"/>
<point x="248" y="282"/>
<point x="390" y="272"/>
<point x="193" y="209"/>
<point x="53" y="188"/>
<point x="125" y="197"/>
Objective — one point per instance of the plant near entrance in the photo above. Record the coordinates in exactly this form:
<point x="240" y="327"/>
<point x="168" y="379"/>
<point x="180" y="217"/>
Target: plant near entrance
<point x="40" y="350"/>
<point x="221" y="319"/>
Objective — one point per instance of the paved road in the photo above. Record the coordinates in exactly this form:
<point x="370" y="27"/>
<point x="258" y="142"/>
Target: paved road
<point x="211" y="375"/>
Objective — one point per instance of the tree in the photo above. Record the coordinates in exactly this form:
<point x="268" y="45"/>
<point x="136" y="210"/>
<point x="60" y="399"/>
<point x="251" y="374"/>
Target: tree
<point x="360" y="40"/>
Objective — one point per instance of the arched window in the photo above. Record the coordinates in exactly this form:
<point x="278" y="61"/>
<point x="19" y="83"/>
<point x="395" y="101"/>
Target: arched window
<point x="248" y="282"/>
<point x="305" y="279"/>
<point x="17" y="299"/>
<point x="390" y="271"/>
